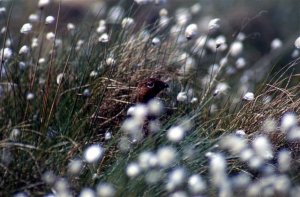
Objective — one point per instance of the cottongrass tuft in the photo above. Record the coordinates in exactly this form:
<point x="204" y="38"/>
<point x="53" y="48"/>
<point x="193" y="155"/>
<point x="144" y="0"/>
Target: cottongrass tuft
<point x="166" y="156"/>
<point x="214" y="24"/>
<point x="234" y="143"/>
<point x="108" y="135"/>
<point x="59" y="78"/>
<point x="155" y="41"/>
<point x="236" y="48"/>
<point x="105" y="190"/>
<point x="104" y="38"/>
<point x="87" y="192"/>
<point x="276" y="44"/>
<point x="191" y="31"/>
<point x="175" y="134"/>
<point x="26" y="28"/>
<point x="176" y="178"/>
<point x="30" y="96"/>
<point x="249" y="96"/>
<point x="49" y="20"/>
<point x="93" y="153"/>
<point x="182" y="97"/>
<point x="5" y="54"/>
<point x="49" y="177"/>
<point x="75" y="166"/>
<point x="133" y="170"/>
<point x="263" y="147"/>
<point x="43" y="3"/>
<point x="196" y="184"/>
<point x="24" y="49"/>
<point x="217" y="167"/>
<point x="284" y="160"/>
<point x="297" y="43"/>
<point x="288" y="121"/>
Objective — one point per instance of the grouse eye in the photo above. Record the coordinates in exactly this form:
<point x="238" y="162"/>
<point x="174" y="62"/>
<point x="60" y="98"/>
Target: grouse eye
<point x="150" y="84"/>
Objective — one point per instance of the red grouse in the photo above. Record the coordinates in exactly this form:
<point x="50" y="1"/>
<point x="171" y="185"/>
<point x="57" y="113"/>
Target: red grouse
<point x="115" y="103"/>
<point x="148" y="89"/>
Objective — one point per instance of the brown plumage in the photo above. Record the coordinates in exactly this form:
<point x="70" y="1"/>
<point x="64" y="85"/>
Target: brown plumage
<point x="112" y="109"/>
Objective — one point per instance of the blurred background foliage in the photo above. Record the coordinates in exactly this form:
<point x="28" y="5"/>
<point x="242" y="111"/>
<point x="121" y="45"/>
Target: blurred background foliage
<point x="261" y="21"/>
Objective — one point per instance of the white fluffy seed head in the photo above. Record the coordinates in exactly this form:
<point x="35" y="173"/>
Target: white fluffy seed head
<point x="284" y="160"/>
<point x="236" y="48"/>
<point x="155" y="107"/>
<point x="182" y="16"/>
<point x="49" y="20"/>
<point x="108" y="135"/>
<point x="43" y="3"/>
<point x="115" y="14"/>
<point x="93" y="73"/>
<point x="146" y="160"/>
<point x="221" y="88"/>
<point x="276" y="44"/>
<point x="101" y="29"/>
<point x="194" y="100"/>
<point x="297" y="43"/>
<point x="30" y="96"/>
<point x="196" y="184"/>
<point x="2" y="10"/>
<point x="269" y="125"/>
<point x="70" y="26"/>
<point x="127" y="23"/>
<point x="26" y="28"/>
<point x="182" y="96"/>
<point x="263" y="147"/>
<point x="24" y="49"/>
<point x="34" y="42"/>
<point x="59" y="78"/>
<point x="105" y="190"/>
<point x="196" y="8"/>
<point x="133" y="170"/>
<point x="240" y="133"/>
<point x="50" y="36"/>
<point x="240" y="63"/>
<point x="110" y="61"/>
<point x="33" y="18"/>
<point x="93" y="153"/>
<point x="87" y="192"/>
<point x="188" y="66"/>
<point x="294" y="133"/>
<point x="249" y="96"/>
<point x="166" y="156"/>
<point x="75" y="166"/>
<point x="217" y="167"/>
<point x="5" y="54"/>
<point x="288" y="121"/>
<point x="49" y="177"/>
<point x="132" y="126"/>
<point x="177" y="177"/>
<point x="140" y="111"/>
<point x="175" y="134"/>
<point x="214" y="24"/>
<point x="104" y="38"/>
<point x="155" y="41"/>
<point x="191" y="31"/>
<point x="234" y="144"/>
<point x="42" y="60"/>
